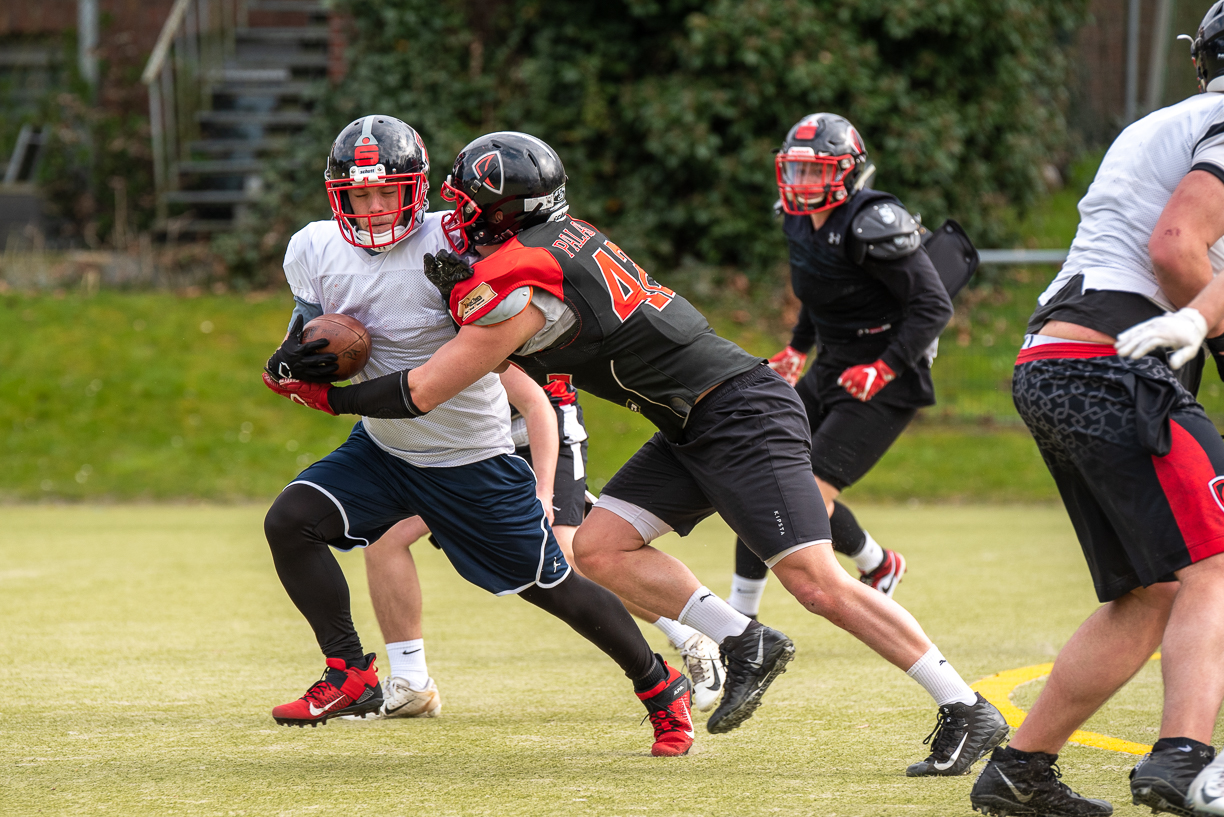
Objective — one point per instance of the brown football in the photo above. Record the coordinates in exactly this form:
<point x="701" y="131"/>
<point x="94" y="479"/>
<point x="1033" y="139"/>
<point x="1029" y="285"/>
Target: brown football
<point x="347" y="339"/>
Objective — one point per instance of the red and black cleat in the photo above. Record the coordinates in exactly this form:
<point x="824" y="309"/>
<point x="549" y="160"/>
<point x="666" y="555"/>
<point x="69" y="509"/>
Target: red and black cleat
<point x="344" y="689"/>
<point x="669" y="705"/>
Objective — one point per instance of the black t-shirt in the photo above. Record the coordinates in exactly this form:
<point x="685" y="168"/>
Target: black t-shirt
<point x="636" y="343"/>
<point x="866" y="311"/>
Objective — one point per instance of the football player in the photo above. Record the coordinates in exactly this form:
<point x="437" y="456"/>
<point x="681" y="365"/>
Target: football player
<point x="1136" y="460"/>
<point x="560" y="299"/>
<point x="454" y="468"/>
<point x="872" y="296"/>
<point x="547" y="430"/>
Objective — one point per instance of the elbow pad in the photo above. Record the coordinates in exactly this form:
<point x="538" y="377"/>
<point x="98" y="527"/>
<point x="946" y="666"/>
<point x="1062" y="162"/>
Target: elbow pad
<point x="383" y="398"/>
<point x="884" y="231"/>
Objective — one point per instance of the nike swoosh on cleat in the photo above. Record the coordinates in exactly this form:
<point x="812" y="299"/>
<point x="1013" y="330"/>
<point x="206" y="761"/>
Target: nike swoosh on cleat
<point x="760" y="649"/>
<point x="316" y="712"/>
<point x="1023" y="798"/>
<point x="943" y="767"/>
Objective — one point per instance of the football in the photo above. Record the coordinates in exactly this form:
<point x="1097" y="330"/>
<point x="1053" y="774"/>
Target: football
<point x="347" y="339"/>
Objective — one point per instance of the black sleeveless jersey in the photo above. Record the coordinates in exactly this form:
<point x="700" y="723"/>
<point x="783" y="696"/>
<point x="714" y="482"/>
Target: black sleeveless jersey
<point x="636" y="343"/>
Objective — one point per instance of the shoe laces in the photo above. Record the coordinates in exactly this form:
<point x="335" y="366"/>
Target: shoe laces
<point x="696" y="665"/>
<point x="322" y="692"/>
<point x="945" y="732"/>
<point x="665" y="720"/>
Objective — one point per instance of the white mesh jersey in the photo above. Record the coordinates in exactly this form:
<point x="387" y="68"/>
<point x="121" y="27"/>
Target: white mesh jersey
<point x="1137" y="177"/>
<point x="408" y="322"/>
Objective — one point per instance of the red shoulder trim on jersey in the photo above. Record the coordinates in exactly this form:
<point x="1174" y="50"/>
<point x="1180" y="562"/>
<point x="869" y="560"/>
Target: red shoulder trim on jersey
<point x="495" y="277"/>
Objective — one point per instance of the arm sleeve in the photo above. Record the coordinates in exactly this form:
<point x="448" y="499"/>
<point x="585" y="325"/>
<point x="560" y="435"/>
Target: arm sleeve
<point x="804" y="335"/>
<point x="914" y="282"/>
<point x="307" y="310"/>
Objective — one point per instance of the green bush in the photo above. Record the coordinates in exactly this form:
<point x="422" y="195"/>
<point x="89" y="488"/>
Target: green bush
<point x="666" y="112"/>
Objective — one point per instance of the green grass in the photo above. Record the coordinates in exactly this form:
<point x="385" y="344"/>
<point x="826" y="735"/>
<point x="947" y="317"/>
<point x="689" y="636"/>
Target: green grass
<point x="146" y="645"/>
<point x="126" y="396"/>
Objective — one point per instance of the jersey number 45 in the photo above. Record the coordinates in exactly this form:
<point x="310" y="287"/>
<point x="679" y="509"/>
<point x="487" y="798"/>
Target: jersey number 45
<point x="628" y="284"/>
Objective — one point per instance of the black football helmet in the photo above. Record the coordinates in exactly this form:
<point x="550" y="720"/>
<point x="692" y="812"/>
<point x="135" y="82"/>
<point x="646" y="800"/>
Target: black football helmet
<point x="378" y="151"/>
<point x="501" y="184"/>
<point x="818" y="164"/>
<point x="1207" y="49"/>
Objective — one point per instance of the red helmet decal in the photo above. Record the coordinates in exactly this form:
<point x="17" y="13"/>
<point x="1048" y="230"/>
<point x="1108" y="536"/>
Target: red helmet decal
<point x="366" y="155"/>
<point x="857" y="141"/>
<point x="488" y="170"/>
<point x="806" y="132"/>
<point x="421" y="145"/>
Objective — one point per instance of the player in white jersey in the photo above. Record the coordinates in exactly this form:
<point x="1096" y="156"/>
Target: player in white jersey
<point x="454" y="468"/>
<point x="1137" y="463"/>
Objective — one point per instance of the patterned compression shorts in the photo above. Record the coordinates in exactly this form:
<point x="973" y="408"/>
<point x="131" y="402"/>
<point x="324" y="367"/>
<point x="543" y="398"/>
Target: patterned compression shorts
<point x="1136" y="460"/>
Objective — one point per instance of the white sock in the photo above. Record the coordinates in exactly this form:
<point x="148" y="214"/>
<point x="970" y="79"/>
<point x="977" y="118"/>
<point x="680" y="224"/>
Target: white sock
<point x="746" y="594"/>
<point x="938" y="678"/>
<point x="407" y="659"/>
<point x="676" y="632"/>
<point x="707" y="613"/>
<point x="870" y="557"/>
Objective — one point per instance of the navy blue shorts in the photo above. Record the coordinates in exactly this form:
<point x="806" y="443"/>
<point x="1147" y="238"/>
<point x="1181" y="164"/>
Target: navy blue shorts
<point x="485" y="515"/>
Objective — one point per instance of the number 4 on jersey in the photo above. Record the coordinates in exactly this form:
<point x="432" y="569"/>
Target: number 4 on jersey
<point x="629" y="289"/>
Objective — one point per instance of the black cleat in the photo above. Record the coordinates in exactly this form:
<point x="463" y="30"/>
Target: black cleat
<point x="753" y="660"/>
<point x="962" y="734"/>
<point x="1161" y="780"/>
<point x="1029" y="786"/>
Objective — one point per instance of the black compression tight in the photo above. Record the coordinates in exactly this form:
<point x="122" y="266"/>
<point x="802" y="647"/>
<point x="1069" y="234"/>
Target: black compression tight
<point x="299" y="525"/>
<point x="597" y="615"/>
<point x="848" y="539"/>
<point x="302" y="521"/>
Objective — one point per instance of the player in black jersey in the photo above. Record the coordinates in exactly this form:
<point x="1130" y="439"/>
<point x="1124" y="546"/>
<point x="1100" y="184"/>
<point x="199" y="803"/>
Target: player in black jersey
<point x="872" y="296"/>
<point x="558" y="298"/>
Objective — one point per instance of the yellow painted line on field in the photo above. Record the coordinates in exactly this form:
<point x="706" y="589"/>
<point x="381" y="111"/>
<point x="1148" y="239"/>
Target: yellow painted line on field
<point x="998" y="689"/>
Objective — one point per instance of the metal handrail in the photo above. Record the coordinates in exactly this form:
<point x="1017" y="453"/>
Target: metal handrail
<point x="196" y="39"/>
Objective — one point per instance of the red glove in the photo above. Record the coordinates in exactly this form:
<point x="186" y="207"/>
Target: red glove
<point x="788" y="363"/>
<point x="311" y="395"/>
<point x="865" y="381"/>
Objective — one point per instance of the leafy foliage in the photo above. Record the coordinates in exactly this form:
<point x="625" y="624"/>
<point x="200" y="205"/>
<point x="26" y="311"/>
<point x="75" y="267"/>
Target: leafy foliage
<point x="666" y="112"/>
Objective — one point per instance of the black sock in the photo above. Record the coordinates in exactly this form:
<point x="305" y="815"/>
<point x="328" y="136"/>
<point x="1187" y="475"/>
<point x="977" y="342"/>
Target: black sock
<point x="656" y="676"/>
<point x="1183" y="743"/>
<point x="1024" y="757"/>
<point x="848" y="537"/>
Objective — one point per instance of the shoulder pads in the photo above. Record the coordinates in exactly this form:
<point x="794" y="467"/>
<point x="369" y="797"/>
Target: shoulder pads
<point x="886" y="231"/>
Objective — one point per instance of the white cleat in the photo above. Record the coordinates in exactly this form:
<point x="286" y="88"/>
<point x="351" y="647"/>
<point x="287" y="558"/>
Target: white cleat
<point x="400" y="700"/>
<point x="1206" y="795"/>
<point x="705" y="669"/>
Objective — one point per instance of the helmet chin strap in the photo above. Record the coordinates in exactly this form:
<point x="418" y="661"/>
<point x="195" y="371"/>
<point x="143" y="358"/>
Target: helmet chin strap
<point x="389" y="238"/>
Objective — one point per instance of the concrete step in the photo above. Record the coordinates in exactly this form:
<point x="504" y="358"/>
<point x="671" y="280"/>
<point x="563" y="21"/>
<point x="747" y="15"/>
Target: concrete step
<point x="259" y="59"/>
<point x="253" y="118"/>
<point x="216" y="146"/>
<point x="220" y="167"/>
<point x="281" y="90"/>
<point x="300" y="6"/>
<point x="282" y="34"/>
<point x="239" y="73"/>
<point x="196" y="225"/>
<point x="208" y="197"/>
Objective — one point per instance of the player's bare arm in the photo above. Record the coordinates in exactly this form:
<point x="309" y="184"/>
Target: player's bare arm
<point x="1190" y="223"/>
<point x="475" y="351"/>
<point x="537" y="410"/>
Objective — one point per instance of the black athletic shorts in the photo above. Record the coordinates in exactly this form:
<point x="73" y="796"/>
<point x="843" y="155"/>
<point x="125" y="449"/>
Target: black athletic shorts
<point x="848" y="436"/>
<point x="746" y="454"/>
<point x="1138" y="464"/>
<point x="569" y="484"/>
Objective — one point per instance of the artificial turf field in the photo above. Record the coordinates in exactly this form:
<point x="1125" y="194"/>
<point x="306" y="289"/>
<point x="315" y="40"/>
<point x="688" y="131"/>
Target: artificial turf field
<point x="145" y="645"/>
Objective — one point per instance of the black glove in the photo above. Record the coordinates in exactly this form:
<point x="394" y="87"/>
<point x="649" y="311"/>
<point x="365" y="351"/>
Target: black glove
<point x="445" y="270"/>
<point x="298" y="360"/>
<point x="1216" y="347"/>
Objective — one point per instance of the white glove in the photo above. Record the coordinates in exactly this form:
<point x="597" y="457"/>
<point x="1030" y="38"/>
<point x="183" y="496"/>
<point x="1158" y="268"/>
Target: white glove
<point x="1182" y="331"/>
